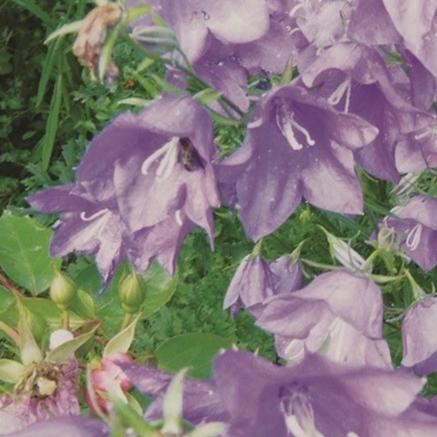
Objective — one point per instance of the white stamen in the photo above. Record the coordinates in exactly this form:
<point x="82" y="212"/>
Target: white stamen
<point x="256" y="123"/>
<point x="344" y="89"/>
<point x="414" y="236"/>
<point x="169" y="148"/>
<point x="169" y="161"/>
<point x="178" y="218"/>
<point x="93" y="216"/>
<point x="295" y="9"/>
<point x="287" y="131"/>
<point x="432" y="131"/>
<point x="302" y="130"/>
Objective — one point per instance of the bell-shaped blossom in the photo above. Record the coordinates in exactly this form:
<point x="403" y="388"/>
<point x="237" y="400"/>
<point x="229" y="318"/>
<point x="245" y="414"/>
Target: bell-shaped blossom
<point x="88" y="224"/>
<point x="338" y="313"/>
<point x="230" y="21"/>
<point x="252" y="284"/>
<point x="158" y="163"/>
<point x="417" y="23"/>
<point x="255" y="281"/>
<point x="143" y="184"/>
<point x="201" y="402"/>
<point x="299" y="147"/>
<point x="416" y="226"/>
<point x="355" y="79"/>
<point x="318" y="398"/>
<point x="418" y="336"/>
<point x="417" y="151"/>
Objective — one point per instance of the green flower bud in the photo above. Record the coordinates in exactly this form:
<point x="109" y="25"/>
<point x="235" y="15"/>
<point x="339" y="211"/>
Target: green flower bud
<point x="62" y="290"/>
<point x="131" y="293"/>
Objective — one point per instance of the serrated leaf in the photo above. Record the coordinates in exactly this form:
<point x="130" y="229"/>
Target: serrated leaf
<point x="196" y="351"/>
<point x="65" y="350"/>
<point x="121" y="342"/>
<point x="24" y="252"/>
<point x="10" y="371"/>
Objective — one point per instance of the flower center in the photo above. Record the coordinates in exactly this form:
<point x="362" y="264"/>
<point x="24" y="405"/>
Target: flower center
<point x="297" y="411"/>
<point x="177" y="149"/>
<point x="413" y="237"/>
<point x="289" y="127"/>
<point x="343" y="90"/>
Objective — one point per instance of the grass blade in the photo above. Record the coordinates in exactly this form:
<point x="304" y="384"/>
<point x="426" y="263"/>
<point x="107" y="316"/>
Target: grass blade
<point x="34" y="9"/>
<point x="52" y="124"/>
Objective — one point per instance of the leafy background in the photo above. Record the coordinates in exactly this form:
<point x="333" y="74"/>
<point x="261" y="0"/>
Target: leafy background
<point x="49" y="111"/>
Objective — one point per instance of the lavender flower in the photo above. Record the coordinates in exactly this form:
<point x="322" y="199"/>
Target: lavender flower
<point x="318" y="398"/>
<point x="200" y="402"/>
<point x="89" y="223"/>
<point x="300" y="147"/>
<point x="355" y="79"/>
<point x="415" y="226"/>
<point x="145" y="182"/>
<point x="338" y="314"/>
<point x="417" y="23"/>
<point x="255" y="281"/>
<point x="229" y="21"/>
<point x="418" y="336"/>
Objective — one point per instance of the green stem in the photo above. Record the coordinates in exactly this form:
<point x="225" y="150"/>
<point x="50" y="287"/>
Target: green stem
<point x="10" y="332"/>
<point x="66" y="320"/>
<point x="126" y="321"/>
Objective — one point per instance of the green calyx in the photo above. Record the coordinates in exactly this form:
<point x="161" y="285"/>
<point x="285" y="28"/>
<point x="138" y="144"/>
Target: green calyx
<point x="62" y="290"/>
<point x="132" y="293"/>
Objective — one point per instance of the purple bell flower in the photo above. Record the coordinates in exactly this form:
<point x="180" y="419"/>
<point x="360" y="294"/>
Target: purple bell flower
<point x="354" y="78"/>
<point x="299" y="146"/>
<point x="419" y="338"/>
<point x="200" y="401"/>
<point x="415" y="225"/>
<point x="339" y="314"/>
<point x="230" y="21"/>
<point x="417" y="23"/>
<point x="88" y="224"/>
<point x="318" y="398"/>
<point x="255" y="281"/>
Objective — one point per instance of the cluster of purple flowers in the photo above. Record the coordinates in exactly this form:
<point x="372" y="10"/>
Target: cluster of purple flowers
<point x="363" y="98"/>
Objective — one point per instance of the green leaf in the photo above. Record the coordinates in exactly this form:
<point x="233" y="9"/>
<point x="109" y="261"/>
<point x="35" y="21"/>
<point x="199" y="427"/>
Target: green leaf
<point x="6" y="298"/>
<point x="83" y="305"/>
<point x="10" y="371"/>
<point x="137" y="12"/>
<point x="48" y="140"/>
<point x="122" y="341"/>
<point x="24" y="252"/>
<point x="47" y="70"/>
<point x="160" y="287"/>
<point x="191" y="350"/>
<point x="62" y="352"/>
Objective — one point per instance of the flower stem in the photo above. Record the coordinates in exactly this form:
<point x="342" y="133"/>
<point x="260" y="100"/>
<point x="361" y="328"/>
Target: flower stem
<point x="66" y="320"/>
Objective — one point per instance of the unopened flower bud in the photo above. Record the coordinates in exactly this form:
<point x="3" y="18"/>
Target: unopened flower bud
<point x="131" y="293"/>
<point x="62" y="290"/>
<point x="155" y="38"/>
